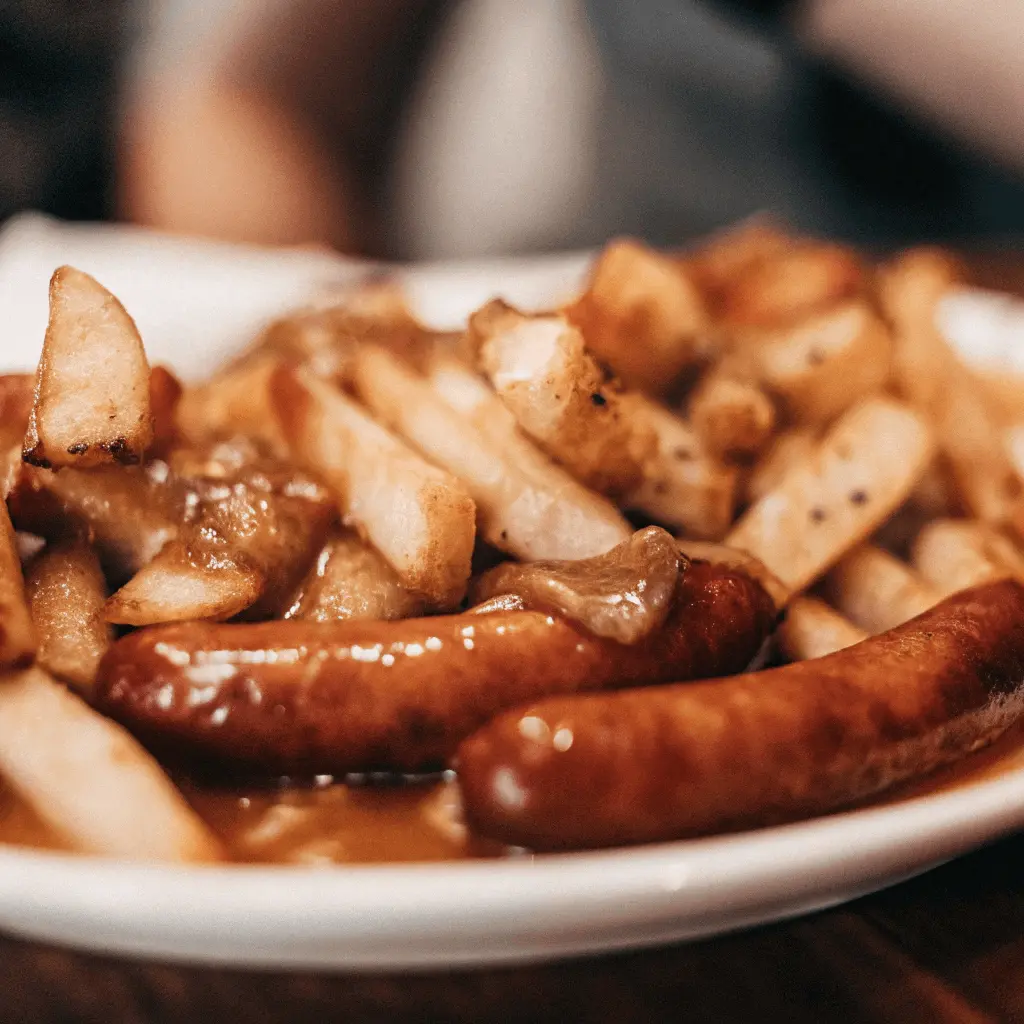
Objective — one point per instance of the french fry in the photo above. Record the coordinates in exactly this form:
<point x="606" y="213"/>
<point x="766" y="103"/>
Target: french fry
<point x="516" y="511"/>
<point x="1003" y="390"/>
<point x="91" y="402"/>
<point x="727" y="255"/>
<point x="878" y="591"/>
<point x="791" y="284"/>
<point x="17" y="634"/>
<point x="953" y="554"/>
<point x="811" y="629"/>
<point x="684" y="487"/>
<point x="246" y="546"/>
<point x="820" y="367"/>
<point x="469" y="395"/>
<point x="172" y="588"/>
<point x="420" y="518"/>
<point x="732" y="415"/>
<point x="558" y="395"/>
<point x="89" y="781"/>
<point x="930" y="376"/>
<point x="350" y="580"/>
<point x="165" y="393"/>
<point x="862" y="471"/>
<point x="641" y="316"/>
<point x="236" y="401"/>
<point x="130" y="513"/>
<point x="16" y="395"/>
<point x="66" y="592"/>
<point x="787" y="449"/>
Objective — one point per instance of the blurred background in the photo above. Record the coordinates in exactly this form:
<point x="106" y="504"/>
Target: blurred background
<point x="423" y="129"/>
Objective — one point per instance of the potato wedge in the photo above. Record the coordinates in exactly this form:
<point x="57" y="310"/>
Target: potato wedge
<point x="878" y="591"/>
<point x="642" y="316"/>
<point x="16" y="396"/>
<point x="684" y="487"/>
<point x="420" y="518"/>
<point x="235" y="402"/>
<point x="351" y="580"/>
<point x="130" y="512"/>
<point x="469" y="395"/>
<point x="516" y="510"/>
<point x="66" y="593"/>
<point x="791" y="284"/>
<point x="249" y="539"/>
<point x="17" y="634"/>
<point x="729" y="254"/>
<point x="786" y="450"/>
<point x="862" y="471"/>
<point x="165" y="391"/>
<point x="929" y="375"/>
<point x="823" y="365"/>
<point x="89" y="780"/>
<point x="732" y="415"/>
<point x="953" y="554"/>
<point x="171" y="588"/>
<point x="811" y="629"/>
<point x="91" y="402"/>
<point x="540" y="368"/>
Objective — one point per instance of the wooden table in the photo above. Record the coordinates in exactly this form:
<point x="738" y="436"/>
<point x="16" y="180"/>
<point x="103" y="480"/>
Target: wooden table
<point x="948" y="946"/>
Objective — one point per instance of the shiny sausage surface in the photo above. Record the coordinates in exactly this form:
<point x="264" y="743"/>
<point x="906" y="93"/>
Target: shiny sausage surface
<point x="756" y="749"/>
<point x="302" y="697"/>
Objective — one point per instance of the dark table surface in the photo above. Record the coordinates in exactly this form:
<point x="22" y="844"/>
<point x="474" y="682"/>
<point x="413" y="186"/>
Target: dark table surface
<point x="948" y="946"/>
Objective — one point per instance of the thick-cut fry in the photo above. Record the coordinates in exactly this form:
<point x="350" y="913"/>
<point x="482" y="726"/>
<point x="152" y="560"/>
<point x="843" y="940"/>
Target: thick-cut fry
<point x="732" y="415"/>
<point x="642" y="316"/>
<point x="165" y="393"/>
<point x="930" y="376"/>
<point x="811" y="629"/>
<point x="66" y="592"/>
<point x="558" y="395"/>
<point x="89" y="781"/>
<point x="236" y="401"/>
<point x="92" y="387"/>
<point x="953" y="554"/>
<point x="791" y="284"/>
<point x="248" y="542"/>
<point x="129" y="512"/>
<point x="727" y="255"/>
<point x="516" y="511"/>
<point x="16" y="391"/>
<point x="877" y="591"/>
<point x="351" y="580"/>
<point x="1004" y="393"/>
<point x="171" y="588"/>
<point x="684" y="487"/>
<point x="469" y="395"/>
<point x="822" y="366"/>
<point x="860" y="474"/>
<point x="786" y="450"/>
<point x="17" y="634"/>
<point x="420" y="518"/>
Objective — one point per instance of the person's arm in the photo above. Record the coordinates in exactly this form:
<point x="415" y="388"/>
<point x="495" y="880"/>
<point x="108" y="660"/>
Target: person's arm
<point x="286" y="137"/>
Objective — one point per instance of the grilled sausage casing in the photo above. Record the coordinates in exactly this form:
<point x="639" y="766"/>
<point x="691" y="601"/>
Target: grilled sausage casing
<point x="757" y="749"/>
<point x="302" y="697"/>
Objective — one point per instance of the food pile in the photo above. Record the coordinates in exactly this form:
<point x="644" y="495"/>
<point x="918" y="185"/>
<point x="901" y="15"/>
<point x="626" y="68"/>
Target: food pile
<point x="366" y="549"/>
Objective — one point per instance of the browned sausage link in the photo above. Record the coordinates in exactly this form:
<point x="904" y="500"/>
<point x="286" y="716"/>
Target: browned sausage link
<point x="298" y="697"/>
<point x="756" y="749"/>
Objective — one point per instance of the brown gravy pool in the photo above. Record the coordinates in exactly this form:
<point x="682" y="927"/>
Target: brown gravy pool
<point x="341" y="824"/>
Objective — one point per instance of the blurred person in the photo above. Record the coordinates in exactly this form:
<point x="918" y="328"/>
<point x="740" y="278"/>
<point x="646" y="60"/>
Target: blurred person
<point x="425" y="127"/>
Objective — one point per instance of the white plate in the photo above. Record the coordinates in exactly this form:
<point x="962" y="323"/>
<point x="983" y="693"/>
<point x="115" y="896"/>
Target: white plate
<point x="194" y="303"/>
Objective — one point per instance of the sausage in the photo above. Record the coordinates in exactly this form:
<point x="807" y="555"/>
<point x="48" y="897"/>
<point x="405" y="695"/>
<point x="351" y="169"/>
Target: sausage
<point x="300" y="697"/>
<point x="761" y="748"/>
